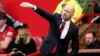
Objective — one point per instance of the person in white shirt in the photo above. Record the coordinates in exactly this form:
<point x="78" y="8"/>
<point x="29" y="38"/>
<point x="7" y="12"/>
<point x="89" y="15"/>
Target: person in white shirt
<point x="61" y="31"/>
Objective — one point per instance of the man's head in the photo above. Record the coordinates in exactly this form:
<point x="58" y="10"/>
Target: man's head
<point x="67" y="12"/>
<point x="2" y="18"/>
<point x="90" y="37"/>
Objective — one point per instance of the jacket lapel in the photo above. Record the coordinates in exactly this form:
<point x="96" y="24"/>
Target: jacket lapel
<point x="70" y="28"/>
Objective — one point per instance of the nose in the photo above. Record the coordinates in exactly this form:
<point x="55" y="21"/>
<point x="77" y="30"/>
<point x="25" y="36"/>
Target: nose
<point x="87" y="41"/>
<point x="64" y="12"/>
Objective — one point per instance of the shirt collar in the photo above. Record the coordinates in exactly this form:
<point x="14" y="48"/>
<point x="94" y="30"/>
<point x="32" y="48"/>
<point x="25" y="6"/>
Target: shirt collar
<point x="67" y="22"/>
<point x="3" y="28"/>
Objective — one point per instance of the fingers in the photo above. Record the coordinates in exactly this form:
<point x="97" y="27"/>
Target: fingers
<point x="26" y="5"/>
<point x="22" y="4"/>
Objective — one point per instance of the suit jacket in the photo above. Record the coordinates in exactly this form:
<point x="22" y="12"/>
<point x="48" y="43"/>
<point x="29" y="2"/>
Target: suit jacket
<point x="53" y="36"/>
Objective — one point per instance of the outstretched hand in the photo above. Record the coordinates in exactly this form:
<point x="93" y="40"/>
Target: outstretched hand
<point x="27" y="5"/>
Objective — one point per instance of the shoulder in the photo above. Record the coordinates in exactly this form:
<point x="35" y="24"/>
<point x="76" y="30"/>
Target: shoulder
<point x="74" y="26"/>
<point x="56" y="14"/>
<point x="32" y="40"/>
<point x="97" y="41"/>
<point x="10" y="32"/>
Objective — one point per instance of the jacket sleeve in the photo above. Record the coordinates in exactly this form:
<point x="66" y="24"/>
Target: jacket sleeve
<point x="75" y="43"/>
<point x="44" y="14"/>
<point x="12" y="22"/>
<point x="9" y="21"/>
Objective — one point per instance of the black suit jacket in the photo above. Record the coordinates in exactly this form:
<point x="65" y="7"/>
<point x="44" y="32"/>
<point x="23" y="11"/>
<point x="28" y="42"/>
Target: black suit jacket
<point x="53" y="36"/>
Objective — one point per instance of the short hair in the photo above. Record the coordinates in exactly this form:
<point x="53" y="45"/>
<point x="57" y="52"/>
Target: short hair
<point x="2" y="15"/>
<point x="93" y="33"/>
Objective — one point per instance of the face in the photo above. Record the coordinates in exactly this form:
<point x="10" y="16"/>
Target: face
<point x="2" y="22"/>
<point x="23" y="32"/>
<point x="89" y="39"/>
<point x="67" y="12"/>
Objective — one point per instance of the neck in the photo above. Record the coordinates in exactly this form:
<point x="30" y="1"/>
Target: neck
<point x="66" y="20"/>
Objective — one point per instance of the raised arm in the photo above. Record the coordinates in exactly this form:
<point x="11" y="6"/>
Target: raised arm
<point x="41" y="12"/>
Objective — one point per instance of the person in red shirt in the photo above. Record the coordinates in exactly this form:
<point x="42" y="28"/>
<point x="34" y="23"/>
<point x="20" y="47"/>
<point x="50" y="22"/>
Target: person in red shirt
<point x="6" y="33"/>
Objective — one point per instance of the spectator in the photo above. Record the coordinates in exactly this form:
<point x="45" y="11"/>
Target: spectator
<point x="91" y="41"/>
<point x="6" y="33"/>
<point x="23" y="41"/>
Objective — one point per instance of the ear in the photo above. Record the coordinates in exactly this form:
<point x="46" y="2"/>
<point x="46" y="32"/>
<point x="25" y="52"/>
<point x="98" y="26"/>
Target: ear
<point x="72" y="14"/>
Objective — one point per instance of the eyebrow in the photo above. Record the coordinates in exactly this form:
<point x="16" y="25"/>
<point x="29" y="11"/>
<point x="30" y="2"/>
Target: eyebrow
<point x="68" y="11"/>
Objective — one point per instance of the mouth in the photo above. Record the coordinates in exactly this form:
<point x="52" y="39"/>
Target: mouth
<point x="61" y="16"/>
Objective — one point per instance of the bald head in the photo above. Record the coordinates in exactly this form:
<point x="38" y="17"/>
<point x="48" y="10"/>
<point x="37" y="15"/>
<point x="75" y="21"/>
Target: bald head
<point x="67" y="12"/>
<point x="70" y="8"/>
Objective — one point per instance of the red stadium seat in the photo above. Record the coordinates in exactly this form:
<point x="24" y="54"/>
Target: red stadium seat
<point x="38" y="41"/>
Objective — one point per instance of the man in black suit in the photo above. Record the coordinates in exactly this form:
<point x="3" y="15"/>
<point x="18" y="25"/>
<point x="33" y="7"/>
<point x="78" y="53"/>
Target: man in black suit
<point x="62" y="30"/>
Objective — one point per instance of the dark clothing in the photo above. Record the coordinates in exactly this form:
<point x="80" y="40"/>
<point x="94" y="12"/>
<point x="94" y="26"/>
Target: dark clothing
<point x="18" y="54"/>
<point x="95" y="45"/>
<point x="97" y="21"/>
<point x="10" y="22"/>
<point x="25" y="48"/>
<point x="96" y="8"/>
<point x="53" y="37"/>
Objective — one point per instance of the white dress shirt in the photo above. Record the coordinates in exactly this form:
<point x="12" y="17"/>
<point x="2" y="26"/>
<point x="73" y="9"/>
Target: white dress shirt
<point x="65" y="30"/>
<point x="35" y="7"/>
